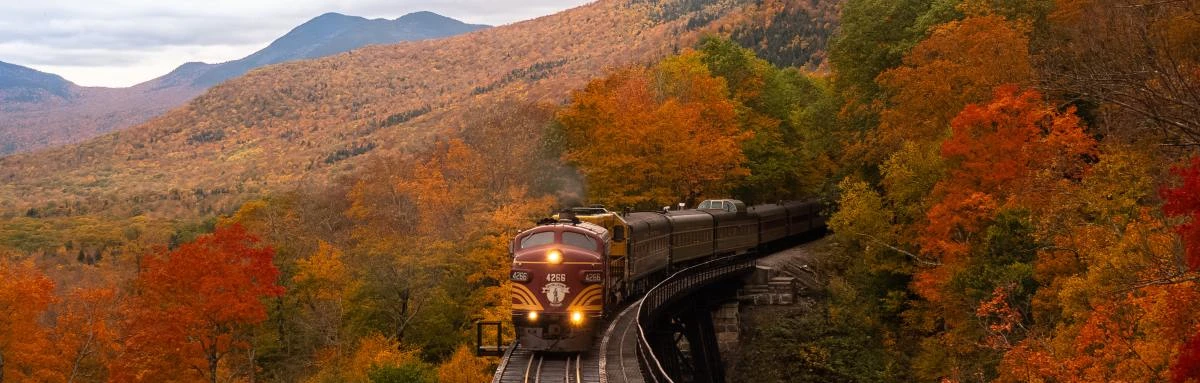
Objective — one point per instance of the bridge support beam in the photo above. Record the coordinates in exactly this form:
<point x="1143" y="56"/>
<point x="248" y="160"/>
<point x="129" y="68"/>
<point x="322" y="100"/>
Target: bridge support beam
<point x="677" y="336"/>
<point x="686" y="343"/>
<point x="702" y="338"/>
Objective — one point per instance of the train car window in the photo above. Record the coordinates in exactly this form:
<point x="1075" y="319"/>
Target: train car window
<point x="578" y="240"/>
<point x="729" y="207"/>
<point x="618" y="233"/>
<point x="537" y="239"/>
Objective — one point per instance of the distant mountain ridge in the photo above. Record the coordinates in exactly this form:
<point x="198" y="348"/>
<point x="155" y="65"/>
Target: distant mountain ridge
<point x="40" y="109"/>
<point x="330" y="34"/>
<point x="27" y="84"/>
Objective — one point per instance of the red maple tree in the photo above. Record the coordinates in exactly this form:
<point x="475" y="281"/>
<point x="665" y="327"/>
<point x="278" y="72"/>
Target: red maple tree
<point x="1184" y="200"/>
<point x="1187" y="366"/>
<point x="194" y="307"/>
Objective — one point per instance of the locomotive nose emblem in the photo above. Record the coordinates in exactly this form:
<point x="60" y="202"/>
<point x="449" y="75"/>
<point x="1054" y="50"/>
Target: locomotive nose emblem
<point x="556" y="292"/>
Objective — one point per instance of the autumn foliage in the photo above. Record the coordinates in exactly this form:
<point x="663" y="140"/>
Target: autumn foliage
<point x="1184" y="201"/>
<point x="676" y="113"/>
<point x="1002" y="202"/>
<point x="998" y="233"/>
<point x="195" y="308"/>
<point x="25" y="294"/>
<point x="960" y="63"/>
<point x="1187" y="366"/>
<point x="1014" y="137"/>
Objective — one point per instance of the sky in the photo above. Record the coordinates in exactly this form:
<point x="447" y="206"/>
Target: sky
<point x="118" y="43"/>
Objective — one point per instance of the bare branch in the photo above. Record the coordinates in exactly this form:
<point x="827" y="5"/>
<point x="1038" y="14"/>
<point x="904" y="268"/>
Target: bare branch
<point x="899" y="250"/>
<point x="1164" y="281"/>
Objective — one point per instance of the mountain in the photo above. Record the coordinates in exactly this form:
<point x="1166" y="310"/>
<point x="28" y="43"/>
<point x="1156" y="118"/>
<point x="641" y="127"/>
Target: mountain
<point x="334" y="33"/>
<point x="21" y="84"/>
<point x="39" y="109"/>
<point x="300" y="125"/>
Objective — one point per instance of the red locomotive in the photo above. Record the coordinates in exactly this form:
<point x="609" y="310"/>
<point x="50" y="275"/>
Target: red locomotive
<point x="558" y="290"/>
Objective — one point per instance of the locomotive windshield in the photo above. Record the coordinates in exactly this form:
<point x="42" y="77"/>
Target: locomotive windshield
<point x="578" y="240"/>
<point x="538" y="239"/>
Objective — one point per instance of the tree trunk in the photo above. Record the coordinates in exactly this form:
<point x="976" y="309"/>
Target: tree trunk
<point x="403" y="315"/>
<point x="252" y="369"/>
<point x="279" y="323"/>
<point x="212" y="366"/>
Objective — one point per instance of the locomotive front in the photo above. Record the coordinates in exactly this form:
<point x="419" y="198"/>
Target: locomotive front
<point x="558" y="275"/>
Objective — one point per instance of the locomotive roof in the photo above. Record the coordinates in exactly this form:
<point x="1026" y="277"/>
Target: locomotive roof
<point x="594" y="229"/>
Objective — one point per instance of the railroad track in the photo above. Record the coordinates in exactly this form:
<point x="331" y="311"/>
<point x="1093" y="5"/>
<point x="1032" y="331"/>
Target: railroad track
<point x="526" y="366"/>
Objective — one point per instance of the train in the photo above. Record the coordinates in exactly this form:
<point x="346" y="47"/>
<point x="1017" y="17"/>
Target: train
<point x="572" y="270"/>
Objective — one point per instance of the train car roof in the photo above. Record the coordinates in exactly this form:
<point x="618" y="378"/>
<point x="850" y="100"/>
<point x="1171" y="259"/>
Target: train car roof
<point x="767" y="208"/>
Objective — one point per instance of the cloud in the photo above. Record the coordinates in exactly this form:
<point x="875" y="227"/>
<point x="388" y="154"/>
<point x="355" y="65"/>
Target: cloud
<point x="124" y="42"/>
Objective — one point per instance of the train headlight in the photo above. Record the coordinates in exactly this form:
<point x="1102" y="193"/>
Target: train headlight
<point x="554" y="256"/>
<point x="576" y="318"/>
<point x="533" y="315"/>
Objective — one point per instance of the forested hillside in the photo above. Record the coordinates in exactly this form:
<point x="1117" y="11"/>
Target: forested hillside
<point x="1016" y="195"/>
<point x="347" y="219"/>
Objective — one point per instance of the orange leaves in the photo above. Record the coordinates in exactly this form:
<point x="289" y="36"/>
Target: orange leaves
<point x="220" y="275"/>
<point x="677" y="113"/>
<point x="86" y="332"/>
<point x="961" y="63"/>
<point x="350" y="363"/>
<point x="1136" y="337"/>
<point x="1000" y="157"/>
<point x="1009" y="139"/>
<point x="463" y="367"/>
<point x="49" y="339"/>
<point x="1103" y="348"/>
<point x="25" y="348"/>
<point x="194" y="307"/>
<point x="1119" y="315"/>
<point x="1001" y="318"/>
<point x="419" y="196"/>
<point x="1184" y="201"/>
<point x="1050" y="260"/>
<point x="1029" y="363"/>
<point x="953" y="219"/>
<point x="323" y="273"/>
<point x="996" y="152"/>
